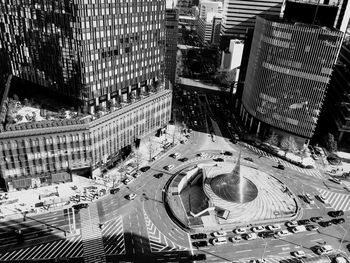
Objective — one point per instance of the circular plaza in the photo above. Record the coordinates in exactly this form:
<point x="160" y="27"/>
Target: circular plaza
<point x="214" y="194"/>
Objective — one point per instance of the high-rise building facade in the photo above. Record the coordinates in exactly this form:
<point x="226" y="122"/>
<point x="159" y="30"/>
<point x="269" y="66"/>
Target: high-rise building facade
<point x="89" y="51"/>
<point x="107" y="57"/>
<point x="239" y="15"/>
<point x="337" y="107"/>
<point x="209" y="20"/>
<point x="171" y="39"/>
<point x="290" y="66"/>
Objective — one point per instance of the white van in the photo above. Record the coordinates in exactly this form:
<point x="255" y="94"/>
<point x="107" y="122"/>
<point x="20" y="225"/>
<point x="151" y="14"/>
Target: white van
<point x="298" y="229"/>
<point x="219" y="241"/>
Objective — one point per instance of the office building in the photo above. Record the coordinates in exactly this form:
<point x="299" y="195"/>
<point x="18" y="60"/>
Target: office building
<point x="107" y="59"/>
<point x="171" y="39"/>
<point x="239" y="15"/>
<point x="290" y="65"/>
<point x="336" y="115"/>
<point x="209" y="21"/>
<point x="209" y="6"/>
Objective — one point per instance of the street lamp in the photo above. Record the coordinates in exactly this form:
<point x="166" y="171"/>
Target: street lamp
<point x="342" y="240"/>
<point x="263" y="254"/>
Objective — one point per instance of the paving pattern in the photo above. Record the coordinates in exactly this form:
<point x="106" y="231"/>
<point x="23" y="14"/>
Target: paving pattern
<point x="65" y="248"/>
<point x="158" y="241"/>
<point x="311" y="172"/>
<point x="113" y="237"/>
<point x="338" y="201"/>
<point x="271" y="203"/>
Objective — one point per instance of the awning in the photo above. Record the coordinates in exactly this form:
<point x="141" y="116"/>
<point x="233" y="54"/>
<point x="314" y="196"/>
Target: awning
<point x="60" y="177"/>
<point x="22" y="183"/>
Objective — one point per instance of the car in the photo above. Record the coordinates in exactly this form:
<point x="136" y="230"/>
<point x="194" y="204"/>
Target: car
<point x="219" y="241"/>
<point x="195" y="122"/>
<point x="298" y="229"/>
<point x="336" y="213"/>
<point x="218" y="160"/>
<point x="325" y="223"/>
<point x="202" y="154"/>
<point x="250" y="236"/>
<point x="291" y="223"/>
<point x="311" y="227"/>
<point x="236" y="137"/>
<point x="337" y="221"/>
<point x="199" y="236"/>
<point x="219" y="233"/>
<point x="158" y="175"/>
<point x="303" y="221"/>
<point x="136" y="174"/>
<point x="258" y="229"/>
<point x="257" y="260"/>
<point x="228" y="153"/>
<point x="280" y="166"/>
<point x="267" y="234"/>
<point x="335" y="180"/>
<point x="114" y="191"/>
<point x="249" y="159"/>
<point x="175" y="155"/>
<point x="183" y="141"/>
<point x="283" y="233"/>
<point x="184" y="159"/>
<point x="240" y="230"/>
<point x="314" y="156"/>
<point x="80" y="206"/>
<point x="236" y="238"/>
<point x="199" y="257"/>
<point x="201" y="243"/>
<point x="309" y="199"/>
<point x="169" y="167"/>
<point x="316" y="219"/>
<point x="128" y="180"/>
<point x="323" y="250"/>
<point x="145" y="168"/>
<point x="299" y="254"/>
<point x="322" y="198"/>
<point x="273" y="227"/>
<point x="131" y="196"/>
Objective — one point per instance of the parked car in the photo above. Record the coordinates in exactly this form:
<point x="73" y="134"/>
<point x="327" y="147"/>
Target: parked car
<point x="336" y="213"/>
<point x="184" y="159"/>
<point x="131" y="196"/>
<point x="325" y="223"/>
<point x="280" y="166"/>
<point x="175" y="155"/>
<point x="316" y="218"/>
<point x="298" y="229"/>
<point x="267" y="234"/>
<point x="311" y="227"/>
<point x="337" y="221"/>
<point x="169" y="167"/>
<point x="304" y="221"/>
<point x="219" y="241"/>
<point x="128" y="180"/>
<point x="236" y="238"/>
<point x="250" y="236"/>
<point x="309" y="199"/>
<point x="158" y="175"/>
<point x="218" y="160"/>
<point x="145" y="169"/>
<point x="299" y="254"/>
<point x="258" y="229"/>
<point x="249" y="159"/>
<point x="291" y="223"/>
<point x="273" y="227"/>
<point x="240" y="230"/>
<point x="322" y="198"/>
<point x="219" y="234"/>
<point x="283" y="233"/>
<point x="201" y="243"/>
<point x="228" y="153"/>
<point x="114" y="191"/>
<point x="199" y="236"/>
<point x="323" y="250"/>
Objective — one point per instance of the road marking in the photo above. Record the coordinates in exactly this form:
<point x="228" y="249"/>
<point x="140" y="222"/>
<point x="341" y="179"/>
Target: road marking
<point x="314" y="240"/>
<point x="242" y="251"/>
<point x="284" y="252"/>
<point x="286" y="245"/>
<point x="312" y="233"/>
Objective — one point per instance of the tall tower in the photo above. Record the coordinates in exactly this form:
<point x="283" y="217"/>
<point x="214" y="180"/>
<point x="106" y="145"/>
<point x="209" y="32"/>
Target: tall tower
<point x="171" y="39"/>
<point x="90" y="52"/>
<point x="290" y="66"/>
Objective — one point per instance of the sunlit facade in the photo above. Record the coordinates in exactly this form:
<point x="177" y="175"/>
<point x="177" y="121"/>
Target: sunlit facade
<point x="290" y="66"/>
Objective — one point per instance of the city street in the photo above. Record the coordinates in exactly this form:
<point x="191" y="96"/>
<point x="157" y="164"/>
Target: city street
<point x="141" y="229"/>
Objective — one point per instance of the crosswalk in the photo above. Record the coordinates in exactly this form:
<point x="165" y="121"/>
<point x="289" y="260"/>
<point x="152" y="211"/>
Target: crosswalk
<point x="66" y="248"/>
<point x="91" y="235"/>
<point x="113" y="237"/>
<point x="279" y="259"/>
<point x="338" y="201"/>
<point x="311" y="172"/>
<point x="159" y="242"/>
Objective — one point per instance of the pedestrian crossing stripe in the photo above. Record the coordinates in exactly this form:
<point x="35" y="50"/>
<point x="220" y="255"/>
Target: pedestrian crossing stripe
<point x="311" y="172"/>
<point x="158" y="241"/>
<point x="337" y="201"/>
<point x="113" y="237"/>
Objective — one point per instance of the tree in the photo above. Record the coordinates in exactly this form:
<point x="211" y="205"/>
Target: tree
<point x="138" y="156"/>
<point x="272" y="139"/>
<point x="329" y="143"/>
<point x="151" y="148"/>
<point x="288" y="144"/>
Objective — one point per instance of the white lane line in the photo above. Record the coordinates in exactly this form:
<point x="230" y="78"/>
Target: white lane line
<point x="243" y="251"/>
<point x="315" y="240"/>
<point x="286" y="245"/>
